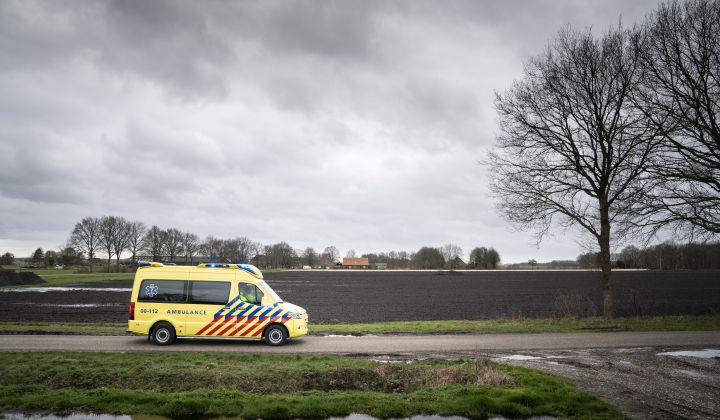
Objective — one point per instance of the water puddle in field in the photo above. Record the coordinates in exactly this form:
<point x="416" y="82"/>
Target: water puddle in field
<point x="523" y="357"/>
<point x="519" y="357"/>
<point x="64" y="289"/>
<point x="84" y="416"/>
<point x="72" y="305"/>
<point x="702" y="354"/>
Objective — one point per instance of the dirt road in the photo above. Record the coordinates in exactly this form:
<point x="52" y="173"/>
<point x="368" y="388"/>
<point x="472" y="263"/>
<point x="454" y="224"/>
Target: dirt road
<point x="369" y="344"/>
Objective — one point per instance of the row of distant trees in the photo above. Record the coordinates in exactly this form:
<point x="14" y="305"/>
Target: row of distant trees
<point x="63" y="256"/>
<point x="665" y="256"/>
<point x="113" y="236"/>
<point x="449" y="256"/>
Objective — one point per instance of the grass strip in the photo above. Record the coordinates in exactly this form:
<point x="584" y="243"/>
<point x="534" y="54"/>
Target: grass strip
<point x="82" y="328"/>
<point x="527" y="325"/>
<point x="64" y="279"/>
<point x="272" y="386"/>
<point x="522" y="325"/>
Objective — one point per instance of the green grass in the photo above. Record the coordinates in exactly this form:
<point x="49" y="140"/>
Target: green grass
<point x="55" y="277"/>
<point x="268" y="386"/>
<point x="660" y="323"/>
<point x="62" y="279"/>
<point x="528" y="325"/>
<point x="85" y="328"/>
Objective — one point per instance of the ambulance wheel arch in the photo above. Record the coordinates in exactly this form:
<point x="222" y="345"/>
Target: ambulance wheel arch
<point x="275" y="334"/>
<point x="162" y="333"/>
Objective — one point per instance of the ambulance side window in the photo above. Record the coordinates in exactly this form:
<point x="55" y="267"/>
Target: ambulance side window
<point x="250" y="293"/>
<point x="209" y="292"/>
<point x="163" y="291"/>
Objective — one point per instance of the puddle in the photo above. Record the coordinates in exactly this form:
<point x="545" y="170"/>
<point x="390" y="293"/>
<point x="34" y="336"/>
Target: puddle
<point x="72" y="305"/>
<point x="84" y="416"/>
<point x="703" y="354"/>
<point x="74" y="416"/>
<point x="348" y="335"/>
<point x="691" y="373"/>
<point x="407" y="362"/>
<point x="340" y="336"/>
<point x="64" y="289"/>
<point x="519" y="357"/>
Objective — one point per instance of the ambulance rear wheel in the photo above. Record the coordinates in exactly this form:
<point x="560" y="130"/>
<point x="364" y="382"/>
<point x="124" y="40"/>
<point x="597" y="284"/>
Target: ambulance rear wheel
<point x="276" y="335"/>
<point x="163" y="334"/>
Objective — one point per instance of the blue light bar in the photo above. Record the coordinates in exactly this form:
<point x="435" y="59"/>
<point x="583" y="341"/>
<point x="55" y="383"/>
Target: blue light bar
<point x="216" y="265"/>
<point x="250" y="269"/>
<point x="143" y="264"/>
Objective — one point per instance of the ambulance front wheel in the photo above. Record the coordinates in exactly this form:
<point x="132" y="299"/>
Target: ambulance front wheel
<point x="163" y="334"/>
<point x="276" y="335"/>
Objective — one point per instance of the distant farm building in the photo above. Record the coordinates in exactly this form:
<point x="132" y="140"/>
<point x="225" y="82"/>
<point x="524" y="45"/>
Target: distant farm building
<point x="355" y="263"/>
<point x="379" y="266"/>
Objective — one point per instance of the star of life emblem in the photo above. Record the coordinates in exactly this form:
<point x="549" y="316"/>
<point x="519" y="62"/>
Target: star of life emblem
<point x="151" y="290"/>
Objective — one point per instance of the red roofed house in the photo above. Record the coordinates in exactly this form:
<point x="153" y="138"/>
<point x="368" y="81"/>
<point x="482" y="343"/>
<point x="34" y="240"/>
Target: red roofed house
<point x="355" y="263"/>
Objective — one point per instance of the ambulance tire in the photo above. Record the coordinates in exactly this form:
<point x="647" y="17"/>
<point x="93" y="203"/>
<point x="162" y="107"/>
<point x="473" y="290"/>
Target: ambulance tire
<point x="163" y="334"/>
<point x="276" y="335"/>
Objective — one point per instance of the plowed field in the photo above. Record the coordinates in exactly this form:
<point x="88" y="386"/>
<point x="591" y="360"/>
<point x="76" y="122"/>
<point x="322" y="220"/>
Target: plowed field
<point x="342" y="296"/>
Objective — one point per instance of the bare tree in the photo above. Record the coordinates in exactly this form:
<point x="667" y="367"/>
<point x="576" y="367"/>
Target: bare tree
<point x="108" y="228"/>
<point x="329" y="256"/>
<point x="493" y="258"/>
<point x="121" y="239"/>
<point x="172" y="243"/>
<point x="153" y="243"/>
<point x="280" y="255"/>
<point x="245" y="249"/>
<point x="351" y="254"/>
<point x="451" y="253"/>
<point x="428" y="258"/>
<point x="191" y="245"/>
<point x="211" y="247"/>
<point x="85" y="237"/>
<point x="572" y="150"/>
<point x="309" y="257"/>
<point x="681" y="95"/>
<point x="136" y="233"/>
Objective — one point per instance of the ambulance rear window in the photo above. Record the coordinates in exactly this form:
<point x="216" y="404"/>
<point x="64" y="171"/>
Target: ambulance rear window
<point x="209" y="292"/>
<point x="162" y="291"/>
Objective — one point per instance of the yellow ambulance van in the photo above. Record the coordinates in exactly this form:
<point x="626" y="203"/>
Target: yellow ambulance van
<point x="210" y="300"/>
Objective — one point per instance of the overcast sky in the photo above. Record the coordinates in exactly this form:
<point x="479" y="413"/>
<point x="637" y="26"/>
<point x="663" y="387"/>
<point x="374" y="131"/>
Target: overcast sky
<point x="352" y="123"/>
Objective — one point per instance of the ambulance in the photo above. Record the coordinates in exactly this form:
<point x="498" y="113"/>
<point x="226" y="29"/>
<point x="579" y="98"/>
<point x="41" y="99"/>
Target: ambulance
<point x="210" y="300"/>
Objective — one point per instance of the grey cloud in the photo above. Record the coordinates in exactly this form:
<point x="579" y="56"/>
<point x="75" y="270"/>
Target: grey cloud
<point x="357" y="124"/>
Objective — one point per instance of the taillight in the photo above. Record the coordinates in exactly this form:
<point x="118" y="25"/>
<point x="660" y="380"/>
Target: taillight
<point x="131" y="315"/>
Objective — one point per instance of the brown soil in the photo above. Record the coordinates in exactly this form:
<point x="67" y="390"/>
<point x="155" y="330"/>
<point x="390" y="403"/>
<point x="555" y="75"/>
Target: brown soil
<point x="12" y="278"/>
<point x="341" y="296"/>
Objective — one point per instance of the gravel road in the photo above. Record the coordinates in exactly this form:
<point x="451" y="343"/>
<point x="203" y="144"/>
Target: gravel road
<point x="372" y="344"/>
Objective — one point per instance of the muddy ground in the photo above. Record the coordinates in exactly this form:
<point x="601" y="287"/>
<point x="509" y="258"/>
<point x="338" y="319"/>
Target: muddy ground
<point x="642" y="382"/>
<point x="342" y="296"/>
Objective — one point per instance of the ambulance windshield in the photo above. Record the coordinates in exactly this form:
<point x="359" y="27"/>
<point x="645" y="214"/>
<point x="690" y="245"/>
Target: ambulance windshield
<point x="270" y="291"/>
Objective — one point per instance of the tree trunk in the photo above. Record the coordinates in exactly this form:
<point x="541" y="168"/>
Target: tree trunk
<point x="109" y="262"/>
<point x="605" y="265"/>
<point x="90" y="255"/>
<point x="117" y="260"/>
